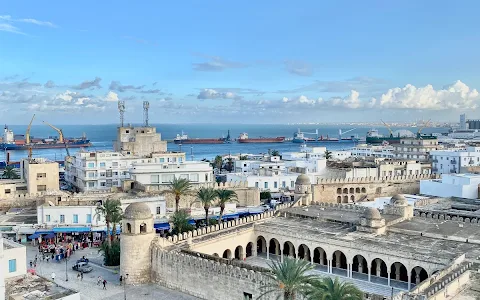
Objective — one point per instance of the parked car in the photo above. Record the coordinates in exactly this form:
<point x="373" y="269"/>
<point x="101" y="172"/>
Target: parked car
<point x="83" y="259"/>
<point x="82" y="267"/>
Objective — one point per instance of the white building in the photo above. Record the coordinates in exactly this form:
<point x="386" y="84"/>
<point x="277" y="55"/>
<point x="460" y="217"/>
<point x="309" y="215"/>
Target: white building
<point x="452" y="185"/>
<point x="416" y="148"/>
<point x="69" y="216"/>
<point x="454" y="160"/>
<point x="376" y="151"/>
<point x="13" y="261"/>
<point x="305" y="153"/>
<point x="340" y="154"/>
<point x="157" y="205"/>
<point x="272" y="183"/>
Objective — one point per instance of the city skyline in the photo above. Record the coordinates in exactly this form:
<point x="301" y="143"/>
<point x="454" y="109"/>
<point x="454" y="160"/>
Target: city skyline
<point x="272" y="62"/>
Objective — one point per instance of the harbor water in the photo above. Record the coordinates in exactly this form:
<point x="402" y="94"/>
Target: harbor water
<point x="102" y="137"/>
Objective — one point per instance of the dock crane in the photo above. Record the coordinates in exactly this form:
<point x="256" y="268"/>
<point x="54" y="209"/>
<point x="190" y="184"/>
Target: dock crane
<point x="60" y="133"/>
<point x="419" y="132"/>
<point x="388" y="127"/>
<point x="340" y="132"/>
<point x="27" y="138"/>
<point x="316" y="133"/>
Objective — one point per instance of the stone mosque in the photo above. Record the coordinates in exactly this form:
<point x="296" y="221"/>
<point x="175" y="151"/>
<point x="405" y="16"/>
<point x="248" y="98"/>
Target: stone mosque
<point x="393" y="251"/>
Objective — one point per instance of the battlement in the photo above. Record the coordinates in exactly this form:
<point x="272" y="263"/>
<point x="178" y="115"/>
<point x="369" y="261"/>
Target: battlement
<point x="466" y="217"/>
<point x="377" y="179"/>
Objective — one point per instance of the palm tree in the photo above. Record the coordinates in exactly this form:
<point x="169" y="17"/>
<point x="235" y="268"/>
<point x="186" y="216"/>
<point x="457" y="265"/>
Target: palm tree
<point x="180" y="220"/>
<point x="225" y="196"/>
<point x="9" y="173"/>
<point x="328" y="154"/>
<point x="117" y="217"/>
<point x="290" y="278"/>
<point x="328" y="289"/>
<point x="229" y="164"/>
<point x="179" y="187"/>
<point x="275" y="153"/>
<point x="218" y="163"/>
<point x="206" y="196"/>
<point x="110" y="210"/>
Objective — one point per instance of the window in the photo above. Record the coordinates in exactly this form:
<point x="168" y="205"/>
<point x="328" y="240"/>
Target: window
<point x="247" y="296"/>
<point x="91" y="165"/>
<point x="143" y="228"/>
<point x="47" y="218"/>
<point x="154" y="179"/>
<point x="102" y="174"/>
<point x="75" y="219"/>
<point x="7" y="191"/>
<point x="284" y="184"/>
<point x="102" y="165"/>
<point x="62" y="218"/>
<point x="184" y="176"/>
<point x="159" y="210"/>
<point x="89" y="218"/>
<point x="12" y="265"/>
<point x="115" y="183"/>
<point x="265" y="185"/>
<point x="194" y="177"/>
<point x="256" y="184"/>
<point x="91" y="184"/>
<point x="179" y="159"/>
<point x="114" y="164"/>
<point x="115" y="173"/>
<point x="162" y="159"/>
<point x="41" y="188"/>
<point x="292" y="184"/>
<point x="275" y="185"/>
<point x="103" y="183"/>
<point x="91" y="174"/>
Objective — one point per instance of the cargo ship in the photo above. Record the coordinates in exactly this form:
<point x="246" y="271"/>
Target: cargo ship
<point x="184" y="139"/>
<point x="299" y="137"/>
<point x="25" y="142"/>
<point x="243" y="138"/>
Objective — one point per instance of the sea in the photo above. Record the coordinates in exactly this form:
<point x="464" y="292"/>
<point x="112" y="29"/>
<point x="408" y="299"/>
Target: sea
<point x="102" y="137"/>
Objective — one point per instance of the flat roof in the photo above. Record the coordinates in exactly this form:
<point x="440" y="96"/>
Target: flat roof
<point x="32" y="286"/>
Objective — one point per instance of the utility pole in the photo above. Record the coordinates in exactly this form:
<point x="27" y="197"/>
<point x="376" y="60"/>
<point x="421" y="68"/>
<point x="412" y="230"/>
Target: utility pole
<point x="66" y="267"/>
<point x="124" y="287"/>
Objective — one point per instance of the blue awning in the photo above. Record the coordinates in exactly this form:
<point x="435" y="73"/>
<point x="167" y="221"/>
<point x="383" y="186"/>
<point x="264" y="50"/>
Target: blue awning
<point x="49" y="236"/>
<point x="162" y="226"/>
<point x="34" y="236"/>
<point x="71" y="229"/>
<point x="44" y="231"/>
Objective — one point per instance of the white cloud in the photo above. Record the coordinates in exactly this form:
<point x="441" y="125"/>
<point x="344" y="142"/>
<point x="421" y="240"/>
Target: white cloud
<point x="37" y="22"/>
<point x="111" y="97"/>
<point x="214" y="94"/>
<point x="10" y="28"/>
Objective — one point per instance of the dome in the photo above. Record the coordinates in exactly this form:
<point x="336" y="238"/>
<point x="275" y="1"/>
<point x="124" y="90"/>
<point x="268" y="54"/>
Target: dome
<point x="303" y="180"/>
<point x="137" y="210"/>
<point x="372" y="214"/>
<point x="398" y="200"/>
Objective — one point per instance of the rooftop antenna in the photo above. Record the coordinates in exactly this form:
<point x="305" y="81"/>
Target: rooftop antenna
<point x="121" y="110"/>
<point x="146" y="105"/>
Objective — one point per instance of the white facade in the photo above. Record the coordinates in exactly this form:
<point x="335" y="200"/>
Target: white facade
<point x="340" y="154"/>
<point x="13" y="260"/>
<point x="257" y="167"/>
<point x="377" y="151"/>
<point x="273" y="183"/>
<point x="155" y="173"/>
<point x="453" y="160"/>
<point x="305" y="153"/>
<point x="415" y="148"/>
<point x="452" y="185"/>
<point x="102" y="170"/>
<point x="68" y="216"/>
<point x="157" y="204"/>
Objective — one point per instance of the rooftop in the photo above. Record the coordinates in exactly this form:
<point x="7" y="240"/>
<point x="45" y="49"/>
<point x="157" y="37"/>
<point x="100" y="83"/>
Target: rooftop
<point x="35" y="287"/>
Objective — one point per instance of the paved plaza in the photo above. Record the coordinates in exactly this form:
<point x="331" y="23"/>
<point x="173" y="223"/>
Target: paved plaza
<point x="89" y="289"/>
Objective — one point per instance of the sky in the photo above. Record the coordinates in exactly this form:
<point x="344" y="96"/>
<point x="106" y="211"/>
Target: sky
<point x="69" y="62"/>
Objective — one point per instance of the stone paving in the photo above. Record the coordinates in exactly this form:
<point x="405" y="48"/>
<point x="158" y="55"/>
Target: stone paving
<point x="88" y="288"/>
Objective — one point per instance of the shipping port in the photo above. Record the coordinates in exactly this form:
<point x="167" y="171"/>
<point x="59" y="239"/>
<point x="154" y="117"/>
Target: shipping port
<point x="243" y="138"/>
<point x="183" y="139"/>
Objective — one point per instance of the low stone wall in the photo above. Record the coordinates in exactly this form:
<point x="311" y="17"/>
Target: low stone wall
<point x="206" y="278"/>
<point x="466" y="217"/>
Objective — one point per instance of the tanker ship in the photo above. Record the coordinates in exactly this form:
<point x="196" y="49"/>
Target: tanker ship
<point x="243" y="138"/>
<point x="11" y="141"/>
<point x="184" y="139"/>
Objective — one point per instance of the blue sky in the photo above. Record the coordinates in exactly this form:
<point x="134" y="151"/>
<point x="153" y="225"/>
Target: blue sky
<point x="238" y="62"/>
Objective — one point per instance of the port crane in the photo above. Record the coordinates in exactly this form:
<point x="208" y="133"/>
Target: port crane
<point x="340" y="132"/>
<point x="60" y="133"/>
<point x="388" y="127"/>
<point x="27" y="138"/>
<point x="316" y="133"/>
<point x="419" y="132"/>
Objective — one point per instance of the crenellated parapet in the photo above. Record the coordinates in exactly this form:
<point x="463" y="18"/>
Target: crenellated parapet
<point x="377" y="179"/>
<point x="466" y="217"/>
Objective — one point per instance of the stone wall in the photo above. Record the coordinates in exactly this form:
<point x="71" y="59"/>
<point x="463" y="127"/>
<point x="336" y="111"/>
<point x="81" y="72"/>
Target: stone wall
<point x="338" y="190"/>
<point x="206" y="278"/>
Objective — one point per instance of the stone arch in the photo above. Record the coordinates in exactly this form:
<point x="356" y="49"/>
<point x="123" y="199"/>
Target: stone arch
<point x="345" y="191"/>
<point x="129" y="228"/>
<point x="398" y="272"/>
<point x="249" y="250"/>
<point x="418" y="274"/>
<point x="360" y="264"/>
<point x="345" y="199"/>
<point x="379" y="268"/>
<point x="364" y="190"/>
<point x="357" y="190"/>
<point x="339" y="199"/>
<point x="227" y="254"/>
<point x="274" y="247"/>
<point x="239" y="252"/>
<point x="304" y="252"/>
<point x="143" y="228"/>
<point x="352" y="190"/>
<point x="289" y="249"/>
<point x="261" y="245"/>
<point x="339" y="260"/>
<point x="339" y="191"/>
<point x="352" y="198"/>
<point x="320" y="256"/>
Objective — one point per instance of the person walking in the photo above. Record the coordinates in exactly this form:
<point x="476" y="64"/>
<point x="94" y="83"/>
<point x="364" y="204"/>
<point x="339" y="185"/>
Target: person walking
<point x="121" y="279"/>
<point x="53" y="276"/>
<point x="99" y="280"/>
<point x="104" y="284"/>
<point x="81" y="276"/>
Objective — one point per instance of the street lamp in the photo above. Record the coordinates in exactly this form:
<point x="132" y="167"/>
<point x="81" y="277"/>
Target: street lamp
<point x="66" y="267"/>
<point x="124" y="284"/>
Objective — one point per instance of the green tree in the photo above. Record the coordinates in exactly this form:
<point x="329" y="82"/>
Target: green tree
<point x="290" y="279"/>
<point x="111" y="254"/>
<point x="179" y="187"/>
<point x="229" y="164"/>
<point x="218" y="163"/>
<point x="10" y="173"/>
<point x="225" y="196"/>
<point x="328" y="154"/>
<point x="328" y="289"/>
<point x="110" y="210"/>
<point x="117" y="217"/>
<point x="242" y="157"/>
<point x="206" y="196"/>
<point x="265" y="195"/>
<point x="275" y="153"/>
<point x="180" y="220"/>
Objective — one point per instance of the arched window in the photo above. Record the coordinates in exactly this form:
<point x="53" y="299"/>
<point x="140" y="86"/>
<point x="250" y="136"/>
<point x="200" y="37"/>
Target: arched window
<point x="357" y="190"/>
<point x="339" y="191"/>
<point x="129" y="228"/>
<point x="352" y="198"/>
<point x="339" y="199"/>
<point x="143" y="228"/>
<point x="352" y="190"/>
<point x="364" y="190"/>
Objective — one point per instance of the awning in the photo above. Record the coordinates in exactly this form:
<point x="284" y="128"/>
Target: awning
<point x="34" y="236"/>
<point x="71" y="229"/>
<point x="44" y="231"/>
<point x="162" y="226"/>
<point x="49" y="236"/>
